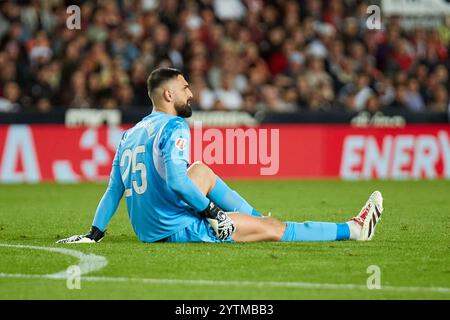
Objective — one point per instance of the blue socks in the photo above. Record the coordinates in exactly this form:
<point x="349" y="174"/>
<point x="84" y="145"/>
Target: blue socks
<point x="316" y="231"/>
<point x="229" y="200"/>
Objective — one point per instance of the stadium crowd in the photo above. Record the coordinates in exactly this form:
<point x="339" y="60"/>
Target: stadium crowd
<point x="280" y="56"/>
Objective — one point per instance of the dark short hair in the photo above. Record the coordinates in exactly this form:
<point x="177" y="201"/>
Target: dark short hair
<point x="159" y="76"/>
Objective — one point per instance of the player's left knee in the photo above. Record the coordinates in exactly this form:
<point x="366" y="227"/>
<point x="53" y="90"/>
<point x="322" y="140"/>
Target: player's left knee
<point x="273" y="221"/>
<point x="276" y="229"/>
<point x="202" y="176"/>
<point x="197" y="163"/>
<point x="203" y="168"/>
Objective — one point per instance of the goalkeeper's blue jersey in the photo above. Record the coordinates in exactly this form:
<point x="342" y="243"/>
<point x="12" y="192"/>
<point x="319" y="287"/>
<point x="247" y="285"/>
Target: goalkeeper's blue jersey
<point x="148" y="168"/>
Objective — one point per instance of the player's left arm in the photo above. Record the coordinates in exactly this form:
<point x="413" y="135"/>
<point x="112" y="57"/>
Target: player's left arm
<point x="175" y="149"/>
<point x="106" y="207"/>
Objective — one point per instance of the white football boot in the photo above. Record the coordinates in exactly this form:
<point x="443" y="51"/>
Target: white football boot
<point x="369" y="216"/>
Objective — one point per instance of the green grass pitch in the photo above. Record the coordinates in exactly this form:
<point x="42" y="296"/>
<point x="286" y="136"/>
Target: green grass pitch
<point x="411" y="246"/>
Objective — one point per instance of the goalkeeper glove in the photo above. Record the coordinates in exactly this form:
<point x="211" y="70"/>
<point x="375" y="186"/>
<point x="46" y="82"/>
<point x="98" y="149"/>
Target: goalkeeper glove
<point x="95" y="235"/>
<point x="219" y="221"/>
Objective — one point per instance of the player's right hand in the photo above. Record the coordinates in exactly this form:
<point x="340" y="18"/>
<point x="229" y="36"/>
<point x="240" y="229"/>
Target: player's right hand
<point x="94" y="235"/>
<point x="219" y="221"/>
<point x="225" y="227"/>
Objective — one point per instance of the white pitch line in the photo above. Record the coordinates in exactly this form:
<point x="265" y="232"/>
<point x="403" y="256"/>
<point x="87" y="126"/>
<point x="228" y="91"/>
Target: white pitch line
<point x="259" y="284"/>
<point x="280" y="284"/>
<point x="90" y="262"/>
<point x="87" y="262"/>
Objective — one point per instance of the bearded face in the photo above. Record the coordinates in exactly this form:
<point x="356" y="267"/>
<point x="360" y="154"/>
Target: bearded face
<point x="183" y="108"/>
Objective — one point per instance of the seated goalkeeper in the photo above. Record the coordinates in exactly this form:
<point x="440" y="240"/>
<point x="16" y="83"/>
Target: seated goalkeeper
<point x="169" y="200"/>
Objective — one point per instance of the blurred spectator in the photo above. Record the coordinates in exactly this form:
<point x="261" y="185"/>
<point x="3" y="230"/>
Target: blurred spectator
<point x="290" y="97"/>
<point x="440" y="99"/>
<point x="230" y="9"/>
<point x="43" y="105"/>
<point x="249" y="104"/>
<point x="204" y="97"/>
<point x="78" y="94"/>
<point x="414" y="100"/>
<point x="373" y="104"/>
<point x="363" y="91"/>
<point x="304" y="91"/>
<point x="400" y="97"/>
<point x="10" y="100"/>
<point x="272" y="101"/>
<point x="124" y="96"/>
<point x="227" y="95"/>
<point x="315" y="73"/>
<point x="41" y="88"/>
<point x="385" y="91"/>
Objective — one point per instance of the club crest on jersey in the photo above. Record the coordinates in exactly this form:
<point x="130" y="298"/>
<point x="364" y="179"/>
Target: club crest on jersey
<point x="180" y="144"/>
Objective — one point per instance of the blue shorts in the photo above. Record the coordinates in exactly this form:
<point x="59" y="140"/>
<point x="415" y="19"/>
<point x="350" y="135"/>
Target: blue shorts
<point x="199" y="231"/>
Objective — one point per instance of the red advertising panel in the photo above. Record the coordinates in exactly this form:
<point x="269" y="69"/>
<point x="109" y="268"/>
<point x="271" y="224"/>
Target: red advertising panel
<point x="33" y="153"/>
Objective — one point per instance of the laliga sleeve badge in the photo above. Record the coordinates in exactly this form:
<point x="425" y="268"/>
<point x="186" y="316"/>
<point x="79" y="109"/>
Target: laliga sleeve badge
<point x="180" y="143"/>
